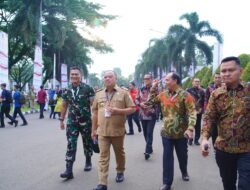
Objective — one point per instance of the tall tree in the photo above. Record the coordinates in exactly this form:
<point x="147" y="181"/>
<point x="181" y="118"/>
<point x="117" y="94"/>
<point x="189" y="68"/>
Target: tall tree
<point x="187" y="40"/>
<point x="60" y="20"/>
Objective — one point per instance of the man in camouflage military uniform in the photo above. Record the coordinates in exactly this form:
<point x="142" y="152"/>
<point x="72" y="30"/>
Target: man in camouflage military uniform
<point x="229" y="108"/>
<point x="78" y="97"/>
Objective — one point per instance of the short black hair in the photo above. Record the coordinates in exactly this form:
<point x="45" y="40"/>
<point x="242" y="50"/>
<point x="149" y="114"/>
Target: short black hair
<point x="3" y="84"/>
<point x="75" y="68"/>
<point x="176" y="77"/>
<point x="132" y="82"/>
<point x="41" y="87"/>
<point x="231" y="58"/>
<point x="149" y="74"/>
<point x="217" y="73"/>
<point x="17" y="86"/>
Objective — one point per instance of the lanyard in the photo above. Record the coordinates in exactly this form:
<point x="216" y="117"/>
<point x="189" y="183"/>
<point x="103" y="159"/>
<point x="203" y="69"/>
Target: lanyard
<point x="109" y="98"/>
<point x="75" y="94"/>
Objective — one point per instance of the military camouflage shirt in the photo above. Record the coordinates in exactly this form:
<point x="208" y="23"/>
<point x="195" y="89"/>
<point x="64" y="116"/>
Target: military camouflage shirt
<point x="230" y="109"/>
<point x="78" y="99"/>
<point x="178" y="110"/>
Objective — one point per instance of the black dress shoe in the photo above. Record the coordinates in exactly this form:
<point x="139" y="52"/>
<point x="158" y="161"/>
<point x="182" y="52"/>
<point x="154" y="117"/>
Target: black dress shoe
<point x="197" y="143"/>
<point x="24" y="124"/>
<point x="16" y="123"/>
<point x="2" y="126"/>
<point x="185" y="177"/>
<point x="119" y="177"/>
<point x="10" y="123"/>
<point x="190" y="142"/>
<point x="147" y="156"/>
<point x="101" y="187"/>
<point x="165" y="187"/>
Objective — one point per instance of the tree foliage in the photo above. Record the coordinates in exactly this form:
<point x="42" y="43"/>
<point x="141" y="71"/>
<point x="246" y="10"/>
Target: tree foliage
<point x="244" y="59"/>
<point x="246" y="73"/>
<point x="60" y="25"/>
<point x="181" y="48"/>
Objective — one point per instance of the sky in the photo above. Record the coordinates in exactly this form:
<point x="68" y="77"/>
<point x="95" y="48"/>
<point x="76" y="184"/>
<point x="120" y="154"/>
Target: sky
<point x="139" y="21"/>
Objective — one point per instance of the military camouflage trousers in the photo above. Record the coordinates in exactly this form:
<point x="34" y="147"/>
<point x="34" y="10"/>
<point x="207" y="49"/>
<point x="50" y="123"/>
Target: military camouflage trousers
<point x="72" y="133"/>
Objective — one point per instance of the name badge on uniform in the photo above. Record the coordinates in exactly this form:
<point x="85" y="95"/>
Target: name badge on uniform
<point x="107" y="113"/>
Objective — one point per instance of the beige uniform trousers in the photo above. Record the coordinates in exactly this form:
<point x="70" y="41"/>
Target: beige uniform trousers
<point x="104" y="156"/>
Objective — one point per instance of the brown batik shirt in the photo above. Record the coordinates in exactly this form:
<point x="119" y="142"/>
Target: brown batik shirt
<point x="230" y="109"/>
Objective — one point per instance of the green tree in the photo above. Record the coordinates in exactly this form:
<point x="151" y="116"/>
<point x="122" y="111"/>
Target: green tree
<point x="93" y="80"/>
<point x="246" y="73"/>
<point x="187" y="41"/>
<point x="61" y="20"/>
<point x="244" y="59"/>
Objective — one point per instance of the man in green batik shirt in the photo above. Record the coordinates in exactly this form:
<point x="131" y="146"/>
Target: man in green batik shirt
<point x="78" y="98"/>
<point x="179" y="116"/>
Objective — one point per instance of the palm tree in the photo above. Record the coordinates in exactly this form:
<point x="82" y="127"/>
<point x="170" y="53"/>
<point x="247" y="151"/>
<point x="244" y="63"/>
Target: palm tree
<point x="186" y="41"/>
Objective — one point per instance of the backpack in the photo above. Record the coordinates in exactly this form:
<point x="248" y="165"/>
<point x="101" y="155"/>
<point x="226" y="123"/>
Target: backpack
<point x="22" y="99"/>
<point x="9" y="98"/>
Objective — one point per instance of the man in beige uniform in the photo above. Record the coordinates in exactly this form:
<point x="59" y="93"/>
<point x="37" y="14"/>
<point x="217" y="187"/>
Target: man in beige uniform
<point x="110" y="107"/>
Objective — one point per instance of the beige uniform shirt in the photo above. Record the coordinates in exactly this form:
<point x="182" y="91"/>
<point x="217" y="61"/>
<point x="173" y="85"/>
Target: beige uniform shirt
<point x="115" y="124"/>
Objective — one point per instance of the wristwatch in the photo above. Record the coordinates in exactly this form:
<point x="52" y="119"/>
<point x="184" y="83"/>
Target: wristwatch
<point x="61" y="119"/>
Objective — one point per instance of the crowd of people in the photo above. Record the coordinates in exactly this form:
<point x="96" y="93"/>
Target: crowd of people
<point x="16" y="99"/>
<point x="190" y="116"/>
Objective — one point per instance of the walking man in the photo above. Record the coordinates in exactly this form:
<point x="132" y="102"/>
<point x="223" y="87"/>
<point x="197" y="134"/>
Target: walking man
<point x="78" y="99"/>
<point x="179" y="116"/>
<point x="41" y="98"/>
<point x="229" y="107"/>
<point x="6" y="99"/>
<point x="134" y="116"/>
<point x="147" y="115"/>
<point x="110" y="107"/>
<point x="18" y="106"/>
<point x="199" y="97"/>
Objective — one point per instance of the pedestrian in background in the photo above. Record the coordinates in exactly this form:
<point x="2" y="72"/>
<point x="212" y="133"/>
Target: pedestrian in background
<point x="199" y="97"/>
<point x="147" y="115"/>
<point x="18" y="105"/>
<point x="133" y="91"/>
<point x="32" y="97"/>
<point x="6" y="100"/>
<point x="58" y="106"/>
<point x="41" y="99"/>
<point x="52" y="102"/>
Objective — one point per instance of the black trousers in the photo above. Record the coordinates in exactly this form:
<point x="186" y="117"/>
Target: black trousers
<point x="229" y="164"/>
<point x="18" y="111"/>
<point x="134" y="116"/>
<point x="148" y="132"/>
<point x="42" y="105"/>
<point x="197" y="128"/>
<point x="5" y="110"/>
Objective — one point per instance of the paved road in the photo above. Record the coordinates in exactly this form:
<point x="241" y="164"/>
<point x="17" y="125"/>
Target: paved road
<point x="32" y="157"/>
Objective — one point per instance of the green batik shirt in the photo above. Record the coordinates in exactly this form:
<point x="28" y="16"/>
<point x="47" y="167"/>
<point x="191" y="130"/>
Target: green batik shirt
<point x="78" y="99"/>
<point x="230" y="110"/>
<point x="178" y="109"/>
